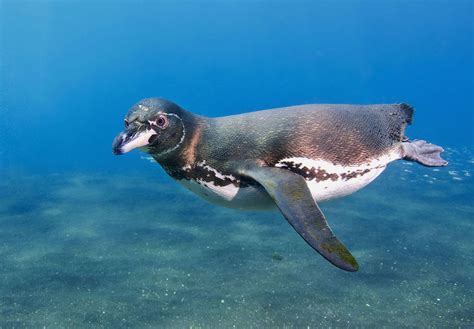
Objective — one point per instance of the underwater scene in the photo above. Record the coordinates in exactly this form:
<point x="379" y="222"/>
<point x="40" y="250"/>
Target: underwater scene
<point x="92" y="240"/>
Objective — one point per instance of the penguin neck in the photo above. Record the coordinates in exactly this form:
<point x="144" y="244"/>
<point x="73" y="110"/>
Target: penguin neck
<point x="184" y="156"/>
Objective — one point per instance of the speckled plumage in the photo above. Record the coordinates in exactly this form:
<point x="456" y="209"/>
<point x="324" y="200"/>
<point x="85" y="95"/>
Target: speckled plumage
<point x="340" y="134"/>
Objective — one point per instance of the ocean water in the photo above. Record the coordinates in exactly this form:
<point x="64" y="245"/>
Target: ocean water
<point x="90" y="240"/>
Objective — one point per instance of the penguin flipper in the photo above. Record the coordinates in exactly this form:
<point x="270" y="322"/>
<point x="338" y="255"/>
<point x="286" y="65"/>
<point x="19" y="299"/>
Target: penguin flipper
<point x="292" y="196"/>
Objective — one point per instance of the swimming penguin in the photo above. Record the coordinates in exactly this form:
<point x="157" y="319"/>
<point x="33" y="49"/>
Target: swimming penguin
<point x="293" y="157"/>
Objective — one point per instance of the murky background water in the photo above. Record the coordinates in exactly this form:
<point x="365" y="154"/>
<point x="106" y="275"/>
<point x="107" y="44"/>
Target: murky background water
<point x="88" y="240"/>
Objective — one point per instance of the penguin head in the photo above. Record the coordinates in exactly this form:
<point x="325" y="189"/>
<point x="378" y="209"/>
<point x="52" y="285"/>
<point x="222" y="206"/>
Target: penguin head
<point x="153" y="125"/>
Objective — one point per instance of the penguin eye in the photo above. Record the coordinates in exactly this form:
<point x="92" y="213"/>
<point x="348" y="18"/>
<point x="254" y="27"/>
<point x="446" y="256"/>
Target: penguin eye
<point x="162" y="122"/>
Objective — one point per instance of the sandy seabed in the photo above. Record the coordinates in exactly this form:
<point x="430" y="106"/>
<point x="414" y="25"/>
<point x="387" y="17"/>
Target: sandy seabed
<point x="92" y="250"/>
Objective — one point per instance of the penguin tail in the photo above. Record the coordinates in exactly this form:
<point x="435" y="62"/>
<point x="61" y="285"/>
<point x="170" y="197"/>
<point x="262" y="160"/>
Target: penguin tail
<point x="407" y="111"/>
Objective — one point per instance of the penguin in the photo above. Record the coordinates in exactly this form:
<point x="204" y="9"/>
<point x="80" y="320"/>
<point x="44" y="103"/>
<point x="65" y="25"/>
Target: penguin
<point x="292" y="157"/>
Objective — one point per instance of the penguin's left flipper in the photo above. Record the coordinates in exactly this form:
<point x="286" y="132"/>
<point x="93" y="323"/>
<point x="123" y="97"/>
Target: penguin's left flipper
<point x="292" y="196"/>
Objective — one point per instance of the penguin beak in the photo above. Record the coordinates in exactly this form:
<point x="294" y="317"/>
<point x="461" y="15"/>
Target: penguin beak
<point x="129" y="140"/>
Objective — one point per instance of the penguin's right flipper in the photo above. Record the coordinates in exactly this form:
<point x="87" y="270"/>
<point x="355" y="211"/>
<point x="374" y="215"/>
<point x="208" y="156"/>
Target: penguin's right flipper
<point x="293" y="198"/>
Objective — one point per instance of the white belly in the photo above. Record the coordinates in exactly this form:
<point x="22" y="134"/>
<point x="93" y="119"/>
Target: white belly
<point x="327" y="190"/>
<point x="250" y="197"/>
<point x="332" y="181"/>
<point x="335" y="181"/>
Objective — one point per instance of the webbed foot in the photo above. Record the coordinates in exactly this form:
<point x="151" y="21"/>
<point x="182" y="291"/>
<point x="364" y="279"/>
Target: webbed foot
<point x="424" y="153"/>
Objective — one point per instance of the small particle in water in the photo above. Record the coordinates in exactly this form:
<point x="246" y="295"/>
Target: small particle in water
<point x="453" y="172"/>
<point x="150" y="159"/>
<point x="437" y="299"/>
<point x="368" y="305"/>
<point x="457" y="178"/>
<point x="222" y="301"/>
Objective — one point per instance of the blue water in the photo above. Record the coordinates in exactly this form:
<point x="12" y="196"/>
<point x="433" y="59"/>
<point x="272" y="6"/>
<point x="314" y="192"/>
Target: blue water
<point x="91" y="240"/>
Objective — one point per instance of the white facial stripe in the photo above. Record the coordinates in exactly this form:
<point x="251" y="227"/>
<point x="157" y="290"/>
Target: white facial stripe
<point x="180" y="141"/>
<point x="138" y="141"/>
